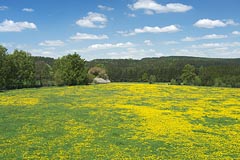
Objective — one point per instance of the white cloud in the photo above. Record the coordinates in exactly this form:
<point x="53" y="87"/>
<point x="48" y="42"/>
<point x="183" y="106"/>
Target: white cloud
<point x="12" y="45"/>
<point x="105" y="8"/>
<point x="170" y="42"/>
<point x="149" y="12"/>
<point x="208" y="23"/>
<point x="11" y="26"/>
<point x="216" y="50"/>
<point x="189" y="52"/>
<point x="213" y="50"/>
<point x="216" y="45"/>
<point x="52" y="43"/>
<point x="46" y="52"/>
<point x="85" y="36"/>
<point x="236" y="33"/>
<point x="41" y="52"/>
<point x="147" y="29"/>
<point x="28" y="10"/>
<point x="2" y="8"/>
<point x="93" y="20"/>
<point x="207" y="45"/>
<point x="151" y="7"/>
<point x="131" y="15"/>
<point x="6" y="45"/>
<point x="148" y="42"/>
<point x="231" y="22"/>
<point x="126" y="33"/>
<point x="167" y="29"/>
<point x="110" y="46"/>
<point x="206" y="37"/>
<point x="102" y="47"/>
<point x="134" y="53"/>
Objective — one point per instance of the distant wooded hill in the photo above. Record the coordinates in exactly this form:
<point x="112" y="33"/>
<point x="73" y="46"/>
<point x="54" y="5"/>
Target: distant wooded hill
<point x="165" y="69"/>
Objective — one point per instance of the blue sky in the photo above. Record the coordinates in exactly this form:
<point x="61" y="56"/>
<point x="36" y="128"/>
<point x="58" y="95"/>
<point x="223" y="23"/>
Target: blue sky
<point x="122" y="28"/>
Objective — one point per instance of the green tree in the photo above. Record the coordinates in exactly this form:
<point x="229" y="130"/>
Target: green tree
<point x="90" y="78"/>
<point x="197" y="81"/>
<point x="167" y="68"/>
<point x="70" y="70"/>
<point x="3" y="55"/>
<point x="173" y="82"/>
<point x="188" y="74"/>
<point x="219" y="83"/>
<point x="145" y="77"/>
<point x="20" y="68"/>
<point x="43" y="73"/>
<point x="58" y="77"/>
<point x="152" y="79"/>
<point x="206" y="76"/>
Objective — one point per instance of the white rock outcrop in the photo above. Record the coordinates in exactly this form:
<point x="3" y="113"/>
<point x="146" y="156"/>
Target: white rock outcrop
<point x="100" y="81"/>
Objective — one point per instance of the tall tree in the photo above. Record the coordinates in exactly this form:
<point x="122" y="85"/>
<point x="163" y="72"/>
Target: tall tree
<point x="188" y="74"/>
<point x="3" y="54"/>
<point x="43" y="73"/>
<point x="70" y="70"/>
<point x="21" y="70"/>
<point x="152" y="79"/>
<point x="206" y="75"/>
<point x="145" y="77"/>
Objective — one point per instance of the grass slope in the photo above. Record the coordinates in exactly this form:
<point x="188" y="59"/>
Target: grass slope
<point x="120" y="120"/>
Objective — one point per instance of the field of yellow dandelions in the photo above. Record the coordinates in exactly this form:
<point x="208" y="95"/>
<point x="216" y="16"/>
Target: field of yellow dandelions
<point x="120" y="121"/>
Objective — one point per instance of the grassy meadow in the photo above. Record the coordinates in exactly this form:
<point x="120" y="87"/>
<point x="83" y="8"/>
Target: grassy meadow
<point x="120" y="121"/>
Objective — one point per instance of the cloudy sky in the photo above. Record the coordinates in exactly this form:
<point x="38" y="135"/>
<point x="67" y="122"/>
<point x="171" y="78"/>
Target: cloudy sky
<point x="122" y="28"/>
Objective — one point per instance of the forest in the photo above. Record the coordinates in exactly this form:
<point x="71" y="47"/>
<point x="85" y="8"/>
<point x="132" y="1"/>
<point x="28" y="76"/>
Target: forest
<point x="200" y="71"/>
<point x="22" y="70"/>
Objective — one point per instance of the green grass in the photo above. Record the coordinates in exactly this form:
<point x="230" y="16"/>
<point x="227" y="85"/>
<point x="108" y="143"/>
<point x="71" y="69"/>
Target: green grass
<point x="120" y="120"/>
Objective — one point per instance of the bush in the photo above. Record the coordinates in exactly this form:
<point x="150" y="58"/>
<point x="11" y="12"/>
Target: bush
<point x="90" y="78"/>
<point x="197" y="81"/>
<point x="219" y="83"/>
<point x="144" y="77"/>
<point x="173" y="82"/>
<point x="152" y="79"/>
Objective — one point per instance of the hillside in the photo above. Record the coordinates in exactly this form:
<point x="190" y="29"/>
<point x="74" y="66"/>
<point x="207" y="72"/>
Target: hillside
<point x="166" y="68"/>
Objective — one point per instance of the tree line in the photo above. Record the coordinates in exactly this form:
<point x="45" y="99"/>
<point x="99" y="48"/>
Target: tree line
<point x="175" y="69"/>
<point x="21" y="70"/>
